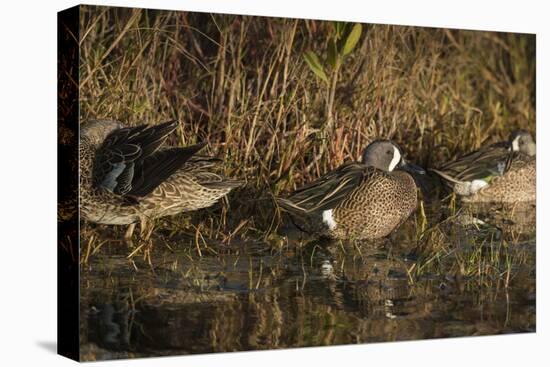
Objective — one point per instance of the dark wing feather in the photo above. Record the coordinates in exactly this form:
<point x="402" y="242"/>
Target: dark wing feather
<point x="327" y="191"/>
<point x="156" y="168"/>
<point x="129" y="161"/>
<point x="485" y="163"/>
<point x="116" y="158"/>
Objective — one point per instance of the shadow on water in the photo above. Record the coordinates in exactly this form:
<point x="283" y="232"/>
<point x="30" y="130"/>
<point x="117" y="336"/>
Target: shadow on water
<point x="469" y="274"/>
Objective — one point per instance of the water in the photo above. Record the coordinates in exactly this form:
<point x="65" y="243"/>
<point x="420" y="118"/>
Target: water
<point x="460" y="278"/>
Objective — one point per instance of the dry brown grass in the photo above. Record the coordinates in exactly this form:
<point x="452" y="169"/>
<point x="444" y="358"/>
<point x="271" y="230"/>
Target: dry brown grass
<point x="241" y="84"/>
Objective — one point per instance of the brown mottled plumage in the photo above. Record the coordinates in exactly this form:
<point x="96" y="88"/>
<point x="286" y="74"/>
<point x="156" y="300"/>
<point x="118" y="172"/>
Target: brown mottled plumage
<point x="127" y="176"/>
<point x="504" y="172"/>
<point x="360" y="200"/>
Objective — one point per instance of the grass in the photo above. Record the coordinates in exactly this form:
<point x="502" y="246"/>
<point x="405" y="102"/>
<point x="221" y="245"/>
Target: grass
<point x="242" y="84"/>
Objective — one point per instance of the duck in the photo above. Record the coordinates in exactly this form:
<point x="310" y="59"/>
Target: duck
<point x="504" y="172"/>
<point x="363" y="200"/>
<point x="128" y="175"/>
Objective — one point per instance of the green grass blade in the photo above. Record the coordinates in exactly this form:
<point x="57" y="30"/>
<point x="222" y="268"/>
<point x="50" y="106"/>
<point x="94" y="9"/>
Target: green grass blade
<point x="315" y="65"/>
<point x="352" y="39"/>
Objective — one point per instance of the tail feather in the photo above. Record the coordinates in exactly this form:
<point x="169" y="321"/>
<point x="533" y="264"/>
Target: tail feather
<point x="445" y="176"/>
<point x="290" y="207"/>
<point x="225" y="184"/>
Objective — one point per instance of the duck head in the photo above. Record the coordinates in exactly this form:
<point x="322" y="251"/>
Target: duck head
<point x="385" y="155"/>
<point x="97" y="130"/>
<point x="522" y="141"/>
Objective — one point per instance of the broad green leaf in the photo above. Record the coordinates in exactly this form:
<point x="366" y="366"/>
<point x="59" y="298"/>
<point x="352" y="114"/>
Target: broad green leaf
<point x="332" y="53"/>
<point x="352" y="39"/>
<point x="315" y="65"/>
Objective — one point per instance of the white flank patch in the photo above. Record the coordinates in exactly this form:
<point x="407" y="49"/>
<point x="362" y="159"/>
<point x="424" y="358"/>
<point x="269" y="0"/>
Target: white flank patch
<point x="328" y="219"/>
<point x="515" y="144"/>
<point x="396" y="158"/>
<point x="476" y="185"/>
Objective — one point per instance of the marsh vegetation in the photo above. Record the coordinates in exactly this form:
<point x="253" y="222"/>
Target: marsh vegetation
<point x="282" y="101"/>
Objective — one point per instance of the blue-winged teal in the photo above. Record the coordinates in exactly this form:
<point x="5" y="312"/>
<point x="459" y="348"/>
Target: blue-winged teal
<point x="359" y="200"/>
<point x="128" y="176"/>
<point x="504" y="172"/>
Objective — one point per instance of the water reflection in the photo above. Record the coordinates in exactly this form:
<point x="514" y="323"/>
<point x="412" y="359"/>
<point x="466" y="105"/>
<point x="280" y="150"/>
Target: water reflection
<point x="453" y="279"/>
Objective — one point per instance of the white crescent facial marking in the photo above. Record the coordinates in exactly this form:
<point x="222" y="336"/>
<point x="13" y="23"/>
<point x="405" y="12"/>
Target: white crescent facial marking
<point x="328" y="219"/>
<point x="395" y="160"/>
<point x="515" y="144"/>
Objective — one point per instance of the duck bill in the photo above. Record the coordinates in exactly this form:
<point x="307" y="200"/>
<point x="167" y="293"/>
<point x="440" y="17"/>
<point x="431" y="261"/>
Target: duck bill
<point x="411" y="168"/>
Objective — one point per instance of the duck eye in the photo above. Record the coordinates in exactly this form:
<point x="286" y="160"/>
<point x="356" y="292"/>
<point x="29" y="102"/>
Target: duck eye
<point x="388" y="152"/>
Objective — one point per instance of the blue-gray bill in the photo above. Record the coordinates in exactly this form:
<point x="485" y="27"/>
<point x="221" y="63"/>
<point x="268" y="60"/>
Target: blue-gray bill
<point x="411" y="168"/>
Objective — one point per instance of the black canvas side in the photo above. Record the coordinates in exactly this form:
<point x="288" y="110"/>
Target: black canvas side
<point x="67" y="186"/>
